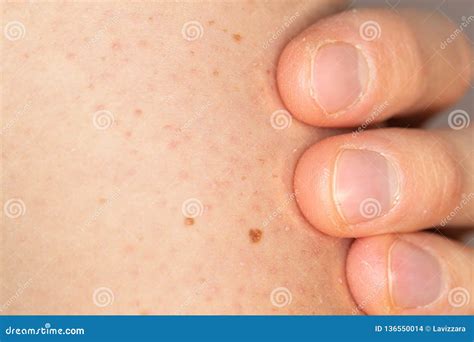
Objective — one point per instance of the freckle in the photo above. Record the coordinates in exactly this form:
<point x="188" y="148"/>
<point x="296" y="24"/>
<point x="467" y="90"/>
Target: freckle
<point x="243" y="178"/>
<point x="189" y="221"/>
<point x="224" y="30"/>
<point x="138" y="112"/>
<point x="103" y="58"/>
<point x="70" y="56"/>
<point x="211" y="22"/>
<point x="150" y="18"/>
<point x="128" y="134"/>
<point x="26" y="56"/>
<point x="91" y="86"/>
<point x="215" y="73"/>
<point x="102" y="200"/>
<point x="255" y="235"/>
<point x="191" y="52"/>
<point x="237" y="37"/>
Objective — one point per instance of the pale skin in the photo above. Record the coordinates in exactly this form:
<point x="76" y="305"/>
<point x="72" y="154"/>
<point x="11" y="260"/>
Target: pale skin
<point x="103" y="207"/>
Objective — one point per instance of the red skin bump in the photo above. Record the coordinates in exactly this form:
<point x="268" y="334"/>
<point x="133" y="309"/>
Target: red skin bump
<point x="99" y="107"/>
<point x="173" y="144"/>
<point x="116" y="45"/>
<point x="183" y="175"/>
<point x="128" y="249"/>
<point x="26" y="56"/>
<point x="128" y="134"/>
<point x="70" y="56"/>
<point x="138" y="112"/>
<point x="102" y="200"/>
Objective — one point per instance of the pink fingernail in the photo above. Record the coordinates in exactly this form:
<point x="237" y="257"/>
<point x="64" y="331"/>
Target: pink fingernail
<point x="340" y="75"/>
<point x="366" y="185"/>
<point x="415" y="276"/>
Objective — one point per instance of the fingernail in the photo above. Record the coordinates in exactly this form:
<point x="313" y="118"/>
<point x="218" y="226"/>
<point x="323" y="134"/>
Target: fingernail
<point x="366" y="185"/>
<point x="415" y="276"/>
<point x="339" y="77"/>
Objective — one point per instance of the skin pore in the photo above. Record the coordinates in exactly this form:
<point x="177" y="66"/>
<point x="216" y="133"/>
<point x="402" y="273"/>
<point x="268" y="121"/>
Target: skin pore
<point x="151" y="175"/>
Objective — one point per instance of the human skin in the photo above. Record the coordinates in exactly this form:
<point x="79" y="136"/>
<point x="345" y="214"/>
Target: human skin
<point x="384" y="185"/>
<point x="191" y="120"/>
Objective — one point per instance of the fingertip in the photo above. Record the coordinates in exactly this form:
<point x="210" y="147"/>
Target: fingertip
<point x="366" y="270"/>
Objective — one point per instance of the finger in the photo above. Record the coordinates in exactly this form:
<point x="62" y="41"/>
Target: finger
<point x="417" y="273"/>
<point x="387" y="180"/>
<point x="364" y="66"/>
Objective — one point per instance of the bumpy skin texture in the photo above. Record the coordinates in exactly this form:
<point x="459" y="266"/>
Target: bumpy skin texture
<point x="103" y="229"/>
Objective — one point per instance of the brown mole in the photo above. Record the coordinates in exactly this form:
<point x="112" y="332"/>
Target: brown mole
<point x="189" y="221"/>
<point x="237" y="37"/>
<point x="255" y="235"/>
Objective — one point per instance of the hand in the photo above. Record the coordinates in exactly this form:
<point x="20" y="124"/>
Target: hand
<point x="383" y="186"/>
